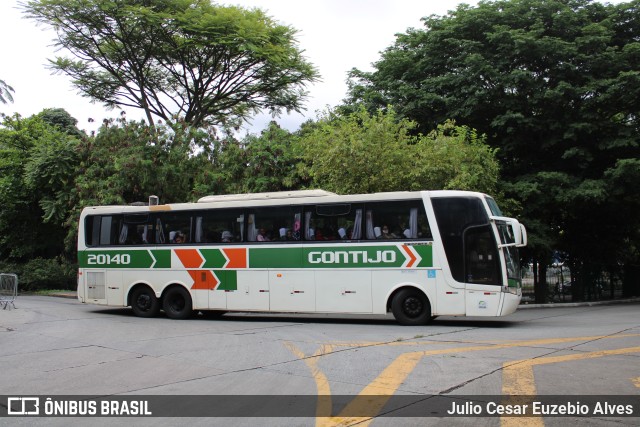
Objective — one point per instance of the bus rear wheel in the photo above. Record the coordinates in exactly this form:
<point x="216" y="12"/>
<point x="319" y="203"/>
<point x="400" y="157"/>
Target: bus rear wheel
<point x="411" y="307"/>
<point x="144" y="302"/>
<point x="177" y="304"/>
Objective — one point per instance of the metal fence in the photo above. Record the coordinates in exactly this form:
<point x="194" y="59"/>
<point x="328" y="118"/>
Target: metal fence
<point x="8" y="290"/>
<point x="606" y="286"/>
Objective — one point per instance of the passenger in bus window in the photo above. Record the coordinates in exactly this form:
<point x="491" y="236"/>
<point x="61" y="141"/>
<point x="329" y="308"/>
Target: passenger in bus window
<point x="179" y="238"/>
<point x="386" y="234"/>
<point x="227" y="237"/>
<point x="262" y="236"/>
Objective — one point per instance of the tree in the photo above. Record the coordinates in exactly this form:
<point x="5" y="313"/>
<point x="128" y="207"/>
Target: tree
<point x="210" y="63"/>
<point x="37" y="168"/>
<point x="363" y="153"/>
<point x="62" y="120"/>
<point x="556" y="86"/>
<point x="271" y="161"/>
<point x="5" y="92"/>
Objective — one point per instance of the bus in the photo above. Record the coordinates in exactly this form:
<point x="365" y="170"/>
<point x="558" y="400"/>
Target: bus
<point x="415" y="254"/>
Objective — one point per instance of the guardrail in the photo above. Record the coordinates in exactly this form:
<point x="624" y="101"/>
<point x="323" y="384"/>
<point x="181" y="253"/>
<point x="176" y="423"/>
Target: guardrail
<point x="8" y="290"/>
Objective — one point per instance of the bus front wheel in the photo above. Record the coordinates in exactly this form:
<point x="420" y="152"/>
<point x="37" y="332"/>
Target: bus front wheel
<point x="176" y="303"/>
<point x="144" y="302"/>
<point x="411" y="307"/>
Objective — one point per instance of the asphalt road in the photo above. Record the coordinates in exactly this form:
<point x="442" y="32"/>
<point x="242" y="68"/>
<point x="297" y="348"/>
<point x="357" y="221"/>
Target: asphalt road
<point x="57" y="346"/>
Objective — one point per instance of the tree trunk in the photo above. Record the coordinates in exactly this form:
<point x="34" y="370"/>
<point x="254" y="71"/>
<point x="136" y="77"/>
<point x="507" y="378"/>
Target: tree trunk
<point x="540" y="285"/>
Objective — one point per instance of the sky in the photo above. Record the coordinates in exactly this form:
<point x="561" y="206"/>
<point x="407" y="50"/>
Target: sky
<point x="336" y="36"/>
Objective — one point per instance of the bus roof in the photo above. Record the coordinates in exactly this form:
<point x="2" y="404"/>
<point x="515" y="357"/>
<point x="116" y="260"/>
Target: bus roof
<point x="279" y="198"/>
<point x="279" y="195"/>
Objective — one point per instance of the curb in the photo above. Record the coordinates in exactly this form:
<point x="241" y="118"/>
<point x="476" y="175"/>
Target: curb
<point x="70" y="295"/>
<point x="579" y="304"/>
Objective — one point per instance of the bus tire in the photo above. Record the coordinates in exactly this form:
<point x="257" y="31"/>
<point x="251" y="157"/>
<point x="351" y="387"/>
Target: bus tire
<point x="411" y="307"/>
<point x="144" y="302"/>
<point x="176" y="303"/>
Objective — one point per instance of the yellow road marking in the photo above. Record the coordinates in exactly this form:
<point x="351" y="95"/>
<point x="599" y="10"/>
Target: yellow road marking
<point x="322" y="383"/>
<point x="518" y="379"/>
<point x="395" y="374"/>
<point x="636" y="382"/>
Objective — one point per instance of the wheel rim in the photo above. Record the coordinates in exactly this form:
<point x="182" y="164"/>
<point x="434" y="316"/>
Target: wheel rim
<point x="413" y="306"/>
<point x="143" y="302"/>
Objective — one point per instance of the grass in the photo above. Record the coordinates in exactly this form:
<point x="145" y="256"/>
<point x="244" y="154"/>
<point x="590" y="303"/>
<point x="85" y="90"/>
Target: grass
<point x="46" y="292"/>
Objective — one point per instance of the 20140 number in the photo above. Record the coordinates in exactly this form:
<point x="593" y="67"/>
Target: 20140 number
<point x="107" y="259"/>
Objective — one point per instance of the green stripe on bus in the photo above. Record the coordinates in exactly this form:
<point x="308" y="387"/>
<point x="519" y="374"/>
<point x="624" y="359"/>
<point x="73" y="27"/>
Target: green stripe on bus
<point x="289" y="257"/>
<point x="213" y="258"/>
<point x="163" y="258"/>
<point x="426" y="253"/>
<point x="353" y="256"/>
<point x="228" y="280"/>
<point x="115" y="259"/>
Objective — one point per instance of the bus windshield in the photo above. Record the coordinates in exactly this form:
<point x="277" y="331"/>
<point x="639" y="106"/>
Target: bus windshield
<point x="493" y="206"/>
<point x="511" y="255"/>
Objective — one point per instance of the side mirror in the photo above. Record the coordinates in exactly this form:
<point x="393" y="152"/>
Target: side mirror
<point x="518" y="231"/>
<point x="523" y="236"/>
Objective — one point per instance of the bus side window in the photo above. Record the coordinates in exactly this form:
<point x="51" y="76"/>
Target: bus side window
<point x="218" y="226"/>
<point x="333" y="222"/>
<point x="397" y="220"/>
<point x="170" y="228"/>
<point x="274" y="224"/>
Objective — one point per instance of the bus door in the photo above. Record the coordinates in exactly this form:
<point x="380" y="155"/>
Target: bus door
<point x="483" y="272"/>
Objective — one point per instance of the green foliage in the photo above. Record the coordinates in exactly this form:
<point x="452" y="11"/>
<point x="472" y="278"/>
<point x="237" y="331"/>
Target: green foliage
<point x="556" y="85"/>
<point x="271" y="161"/>
<point x="37" y="169"/>
<point x="363" y="153"/>
<point x="62" y="120"/>
<point x="209" y="63"/>
<point x="40" y="273"/>
<point x="123" y="164"/>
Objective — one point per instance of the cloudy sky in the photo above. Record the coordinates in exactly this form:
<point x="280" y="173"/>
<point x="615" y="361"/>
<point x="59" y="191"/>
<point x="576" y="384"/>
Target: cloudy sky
<point x="336" y="36"/>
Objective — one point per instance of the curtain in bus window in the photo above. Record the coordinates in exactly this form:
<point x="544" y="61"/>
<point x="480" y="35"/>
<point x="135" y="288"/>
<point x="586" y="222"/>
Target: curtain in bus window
<point x="370" y="231"/>
<point x="357" y="226"/>
<point x="309" y="233"/>
<point x="240" y="223"/>
<point x="105" y="230"/>
<point x="297" y="225"/>
<point x="199" y="232"/>
<point x="413" y="224"/>
<point x="123" y="234"/>
<point x="252" y="232"/>
<point x="159" y="231"/>
<point x="145" y="230"/>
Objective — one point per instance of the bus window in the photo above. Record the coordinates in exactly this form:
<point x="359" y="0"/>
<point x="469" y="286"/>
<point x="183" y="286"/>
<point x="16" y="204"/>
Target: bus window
<point x="172" y="228"/>
<point x="272" y="224"/>
<point x="333" y="222"/>
<point x="219" y="226"/>
<point x="136" y="229"/>
<point x="397" y="220"/>
<point x="102" y="229"/>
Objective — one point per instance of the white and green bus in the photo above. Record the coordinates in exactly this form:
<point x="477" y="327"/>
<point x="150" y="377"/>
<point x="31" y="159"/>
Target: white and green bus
<point x="415" y="254"/>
